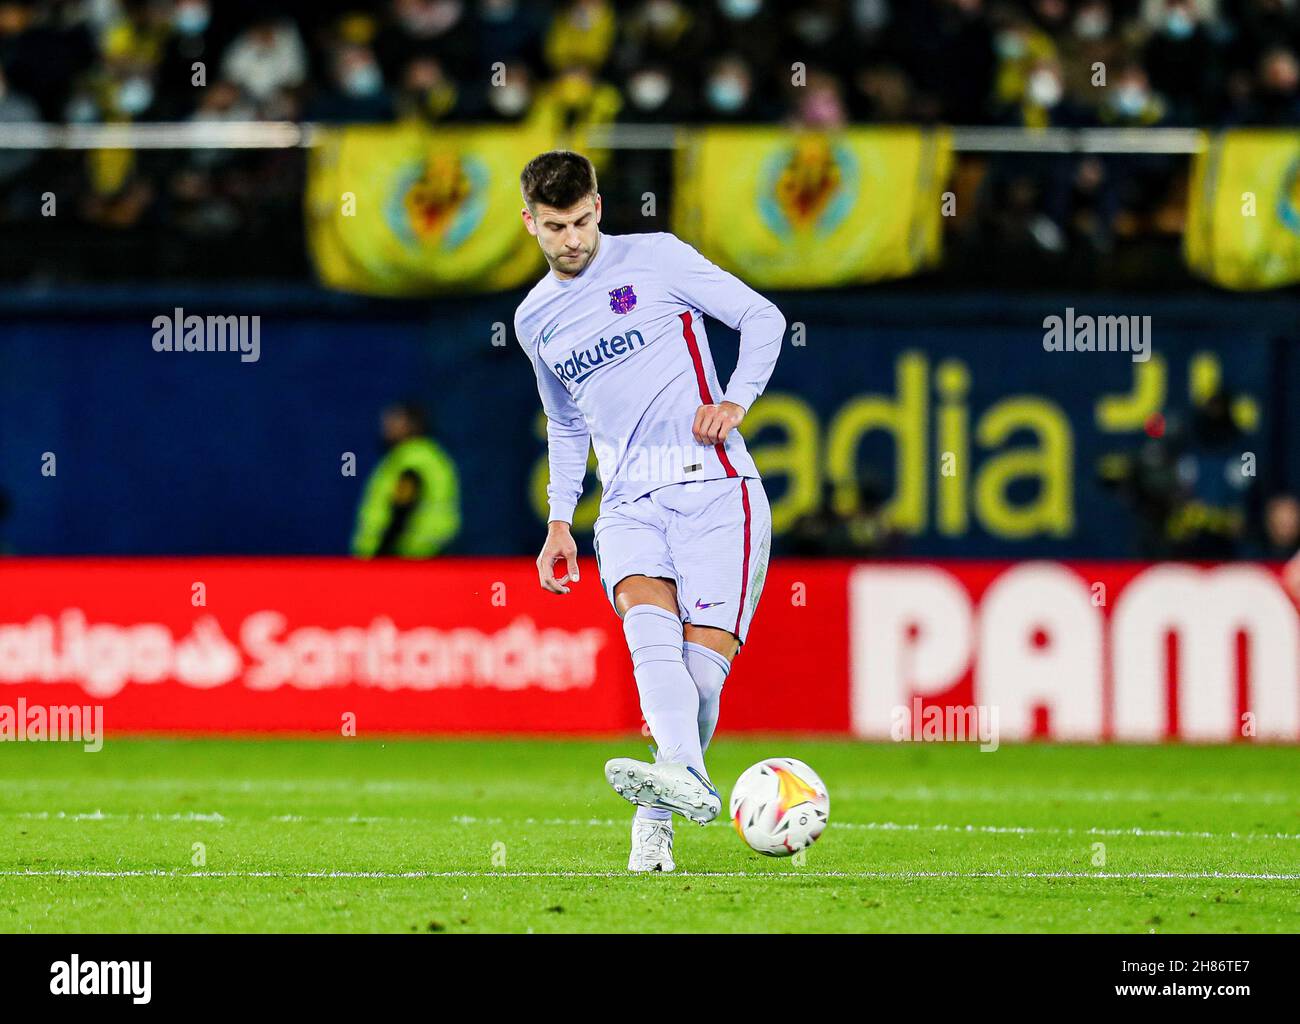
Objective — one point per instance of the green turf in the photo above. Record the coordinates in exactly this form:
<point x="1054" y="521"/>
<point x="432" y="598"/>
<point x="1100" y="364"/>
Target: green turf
<point x="539" y="843"/>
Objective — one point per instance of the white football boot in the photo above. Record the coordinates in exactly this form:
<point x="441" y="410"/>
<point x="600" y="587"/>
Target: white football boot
<point x="652" y="845"/>
<point x="673" y="786"/>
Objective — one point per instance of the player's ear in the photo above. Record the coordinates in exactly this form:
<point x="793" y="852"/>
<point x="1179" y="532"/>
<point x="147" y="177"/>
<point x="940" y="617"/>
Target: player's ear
<point x="597" y="207"/>
<point x="529" y="223"/>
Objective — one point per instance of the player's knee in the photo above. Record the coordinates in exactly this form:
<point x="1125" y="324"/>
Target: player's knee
<point x="652" y="634"/>
<point x="720" y="641"/>
<point x="632" y="591"/>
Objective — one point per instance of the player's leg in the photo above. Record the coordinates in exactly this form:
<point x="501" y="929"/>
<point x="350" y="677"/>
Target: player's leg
<point x="669" y="699"/>
<point x="677" y="781"/>
<point x="721" y="536"/>
<point x="638" y="578"/>
<point x="708" y="653"/>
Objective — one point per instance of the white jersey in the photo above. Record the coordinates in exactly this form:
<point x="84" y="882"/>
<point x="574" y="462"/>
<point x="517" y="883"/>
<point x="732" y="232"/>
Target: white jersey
<point x="623" y="362"/>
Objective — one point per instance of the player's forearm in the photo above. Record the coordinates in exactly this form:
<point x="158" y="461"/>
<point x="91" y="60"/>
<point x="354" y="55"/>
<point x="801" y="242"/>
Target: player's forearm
<point x="761" y="334"/>
<point x="567" y="449"/>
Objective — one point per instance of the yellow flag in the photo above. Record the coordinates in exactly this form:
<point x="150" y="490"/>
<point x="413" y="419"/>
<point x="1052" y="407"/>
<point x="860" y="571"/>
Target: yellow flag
<point x="813" y="210"/>
<point x="1243" y="224"/>
<point x="410" y="210"/>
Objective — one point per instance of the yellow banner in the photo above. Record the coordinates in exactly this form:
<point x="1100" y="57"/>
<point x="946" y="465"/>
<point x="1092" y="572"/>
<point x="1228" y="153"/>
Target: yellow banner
<point x="813" y="210"/>
<point x="1243" y="224"/>
<point x="408" y="210"/>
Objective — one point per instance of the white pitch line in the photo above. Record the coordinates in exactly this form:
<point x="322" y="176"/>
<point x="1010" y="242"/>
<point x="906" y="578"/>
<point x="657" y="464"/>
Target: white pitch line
<point x="1135" y="831"/>
<point x="797" y="873"/>
<point x="429" y="788"/>
<point x="892" y="826"/>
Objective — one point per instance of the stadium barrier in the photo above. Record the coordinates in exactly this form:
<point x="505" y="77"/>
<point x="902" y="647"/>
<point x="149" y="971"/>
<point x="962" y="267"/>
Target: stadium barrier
<point x="1071" y="651"/>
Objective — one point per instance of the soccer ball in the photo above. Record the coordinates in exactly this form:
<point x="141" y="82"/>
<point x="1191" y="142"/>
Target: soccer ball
<point x="779" y="806"/>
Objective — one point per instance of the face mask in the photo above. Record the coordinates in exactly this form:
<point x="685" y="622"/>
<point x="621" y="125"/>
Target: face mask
<point x="82" y="110"/>
<point x="1131" y="100"/>
<point x="363" y="80"/>
<point x="740" y="10"/>
<point x="497" y="12"/>
<point x="1179" y="24"/>
<point x="509" y="100"/>
<point x="813" y="27"/>
<point x="1044" y="89"/>
<point x="870" y="15"/>
<point x="649" y="91"/>
<point x="726" y="94"/>
<point x="1009" y="45"/>
<point x="661" y="13"/>
<point x="134" y="96"/>
<point x="1092" y="24"/>
<point x="191" y="19"/>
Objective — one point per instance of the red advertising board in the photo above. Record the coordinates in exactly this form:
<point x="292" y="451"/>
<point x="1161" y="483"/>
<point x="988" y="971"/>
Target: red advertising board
<point x="1062" y="650"/>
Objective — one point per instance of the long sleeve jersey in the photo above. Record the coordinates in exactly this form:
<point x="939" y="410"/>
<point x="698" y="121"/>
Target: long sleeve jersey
<point x="623" y="363"/>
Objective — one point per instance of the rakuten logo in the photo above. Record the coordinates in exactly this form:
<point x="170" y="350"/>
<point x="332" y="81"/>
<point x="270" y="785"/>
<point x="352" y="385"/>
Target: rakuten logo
<point x="584" y="362"/>
<point x="1036" y="642"/>
<point x="103" y="658"/>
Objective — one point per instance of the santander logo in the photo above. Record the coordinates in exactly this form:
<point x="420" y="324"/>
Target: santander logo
<point x="267" y="653"/>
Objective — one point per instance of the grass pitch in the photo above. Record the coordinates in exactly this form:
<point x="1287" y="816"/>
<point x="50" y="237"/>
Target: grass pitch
<point x="523" y="835"/>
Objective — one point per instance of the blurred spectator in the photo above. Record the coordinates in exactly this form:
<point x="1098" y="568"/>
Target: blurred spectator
<point x="42" y="54"/>
<point x="653" y="96"/>
<point x="1182" y="59"/>
<point x="267" y="60"/>
<point x="575" y="102"/>
<point x="438" y="29"/>
<point x="1188" y="488"/>
<point x="427" y="93"/>
<point x="509" y="31"/>
<point x="14" y="109"/>
<point x="1276" y="99"/>
<point x="833" y="530"/>
<point x="581" y="35"/>
<point x="356" y="93"/>
<point x="411" y="504"/>
<point x="512" y="100"/>
<point x="662" y="32"/>
<point x="1281" y="527"/>
<point x="729" y="93"/>
<point x="820" y="103"/>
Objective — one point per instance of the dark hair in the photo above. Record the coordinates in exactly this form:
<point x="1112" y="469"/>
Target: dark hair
<point x="413" y="411"/>
<point x="560" y="178"/>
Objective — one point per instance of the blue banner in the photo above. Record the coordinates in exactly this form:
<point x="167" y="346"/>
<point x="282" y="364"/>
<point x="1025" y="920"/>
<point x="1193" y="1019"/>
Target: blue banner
<point x="979" y="426"/>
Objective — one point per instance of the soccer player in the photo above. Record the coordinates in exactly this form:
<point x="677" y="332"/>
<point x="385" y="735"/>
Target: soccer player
<point x="616" y="335"/>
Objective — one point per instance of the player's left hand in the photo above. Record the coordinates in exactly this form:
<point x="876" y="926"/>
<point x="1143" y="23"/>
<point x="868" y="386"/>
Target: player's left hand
<point x="714" y="422"/>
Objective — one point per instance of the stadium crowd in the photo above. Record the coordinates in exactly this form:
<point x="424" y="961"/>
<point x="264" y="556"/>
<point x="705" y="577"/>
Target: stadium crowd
<point x="576" y="63"/>
<point x="954" y="61"/>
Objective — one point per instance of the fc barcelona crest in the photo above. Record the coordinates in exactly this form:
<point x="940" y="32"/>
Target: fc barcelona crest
<point x="622" y="300"/>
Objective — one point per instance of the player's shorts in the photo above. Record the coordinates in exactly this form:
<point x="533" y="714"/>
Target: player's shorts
<point x="711" y="538"/>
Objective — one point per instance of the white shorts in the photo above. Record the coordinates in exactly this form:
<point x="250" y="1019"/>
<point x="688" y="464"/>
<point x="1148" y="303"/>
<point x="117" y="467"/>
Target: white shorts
<point x="711" y="538"/>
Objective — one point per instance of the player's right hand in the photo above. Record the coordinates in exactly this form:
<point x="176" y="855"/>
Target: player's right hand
<point x="559" y="547"/>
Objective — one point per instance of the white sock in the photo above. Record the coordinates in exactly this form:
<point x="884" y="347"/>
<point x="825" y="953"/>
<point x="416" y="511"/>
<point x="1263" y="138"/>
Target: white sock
<point x="669" y="698"/>
<point x="709" y="670"/>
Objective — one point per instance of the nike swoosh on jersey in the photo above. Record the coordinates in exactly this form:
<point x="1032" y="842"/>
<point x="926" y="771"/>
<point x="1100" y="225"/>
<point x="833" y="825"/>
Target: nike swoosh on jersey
<point x="546" y="335"/>
<point x="701" y="605"/>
